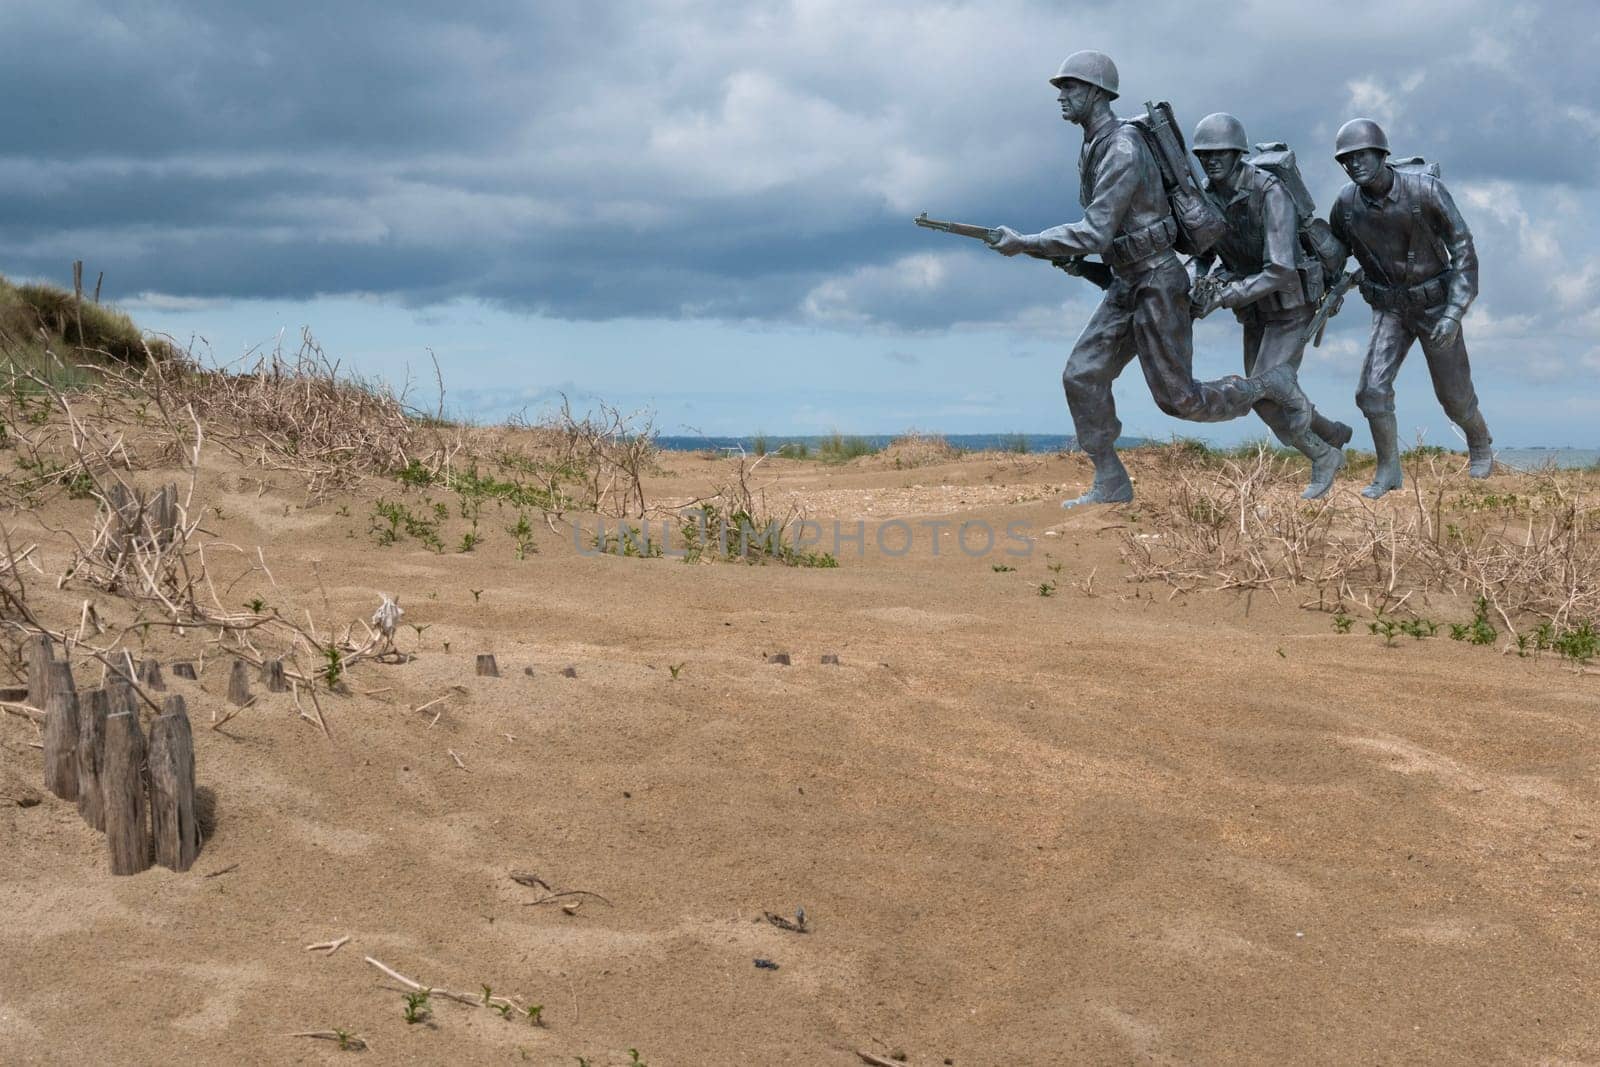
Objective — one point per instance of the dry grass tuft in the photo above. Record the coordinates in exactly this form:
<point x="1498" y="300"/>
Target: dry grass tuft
<point x="1533" y="558"/>
<point x="916" y="449"/>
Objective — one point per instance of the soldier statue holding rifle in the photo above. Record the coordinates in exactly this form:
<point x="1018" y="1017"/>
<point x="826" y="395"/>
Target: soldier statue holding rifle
<point x="1136" y="209"/>
<point x="1419" y="272"/>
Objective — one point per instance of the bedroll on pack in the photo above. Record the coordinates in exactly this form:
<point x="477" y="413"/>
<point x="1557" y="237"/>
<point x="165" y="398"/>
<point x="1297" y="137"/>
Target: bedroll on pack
<point x="1200" y="224"/>
<point x="1316" y="236"/>
<point x="1415" y="165"/>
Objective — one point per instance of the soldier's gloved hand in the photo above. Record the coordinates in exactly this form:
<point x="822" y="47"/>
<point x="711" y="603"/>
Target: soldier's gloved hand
<point x="1008" y="242"/>
<point x="1445" y="330"/>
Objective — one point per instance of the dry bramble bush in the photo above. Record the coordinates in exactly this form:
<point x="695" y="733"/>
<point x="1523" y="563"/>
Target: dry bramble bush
<point x="1532" y="558"/>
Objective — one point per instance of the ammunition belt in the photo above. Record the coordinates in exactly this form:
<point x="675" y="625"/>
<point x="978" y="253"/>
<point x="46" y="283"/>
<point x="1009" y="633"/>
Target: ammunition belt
<point x="1142" y="244"/>
<point x="1399" y="298"/>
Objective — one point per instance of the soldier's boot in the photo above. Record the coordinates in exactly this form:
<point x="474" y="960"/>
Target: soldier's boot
<point x="1337" y="434"/>
<point x="1386" y="443"/>
<point x="1280" y="386"/>
<point x="1326" y="462"/>
<point x="1111" y="482"/>
<point x="1480" y="451"/>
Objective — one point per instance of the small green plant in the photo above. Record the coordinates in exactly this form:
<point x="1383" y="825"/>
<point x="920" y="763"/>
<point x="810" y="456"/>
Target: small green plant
<point x="476" y="593"/>
<point x="415" y="475"/>
<point x="535" y="1013"/>
<point x="758" y="443"/>
<point x="1388" y="629"/>
<point x="1480" y="631"/>
<point x="345" y="1039"/>
<point x="343" y="511"/>
<point x="1055" y="568"/>
<point x="1000" y="568"/>
<point x="522" y="535"/>
<point x="487" y="995"/>
<point x="675" y="668"/>
<point x="1419" y="628"/>
<point x="503" y="1009"/>
<point x="634" y="1060"/>
<point x="470" y="540"/>
<point x="332" y="666"/>
<point x="1047" y="588"/>
<point x="1579" y="645"/>
<point x="447" y="646"/>
<point x="256" y="605"/>
<point x="416" y="1007"/>
<point x="1342" y="623"/>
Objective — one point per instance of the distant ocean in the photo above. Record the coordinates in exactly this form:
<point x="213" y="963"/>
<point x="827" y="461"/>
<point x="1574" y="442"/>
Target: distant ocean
<point x="1527" y="458"/>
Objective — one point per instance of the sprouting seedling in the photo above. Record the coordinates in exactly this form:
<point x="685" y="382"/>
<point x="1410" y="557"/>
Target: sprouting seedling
<point x="1055" y="568"/>
<point x="447" y="646"/>
<point x="535" y="1013"/>
<point x="256" y="605"/>
<point x="333" y="668"/>
<point x="1341" y="622"/>
<point x="503" y="1009"/>
<point x="1047" y="588"/>
<point x="1000" y="568"/>
<point x="416" y="1006"/>
<point x="476" y="593"/>
<point x="487" y="993"/>
<point x="419" y="627"/>
<point x="675" y="668"/>
<point x="634" y="1059"/>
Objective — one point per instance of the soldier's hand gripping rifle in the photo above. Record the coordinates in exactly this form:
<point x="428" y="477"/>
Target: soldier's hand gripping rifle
<point x="1096" y="273"/>
<point x="1332" y="301"/>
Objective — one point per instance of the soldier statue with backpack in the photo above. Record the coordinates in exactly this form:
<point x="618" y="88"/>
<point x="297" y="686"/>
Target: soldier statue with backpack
<point x="1271" y="275"/>
<point x="1140" y="203"/>
<point x="1420" y="274"/>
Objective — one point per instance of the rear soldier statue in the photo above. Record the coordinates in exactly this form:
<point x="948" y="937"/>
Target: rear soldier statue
<point x="1421" y="275"/>
<point x="1128" y="220"/>
<point x="1267" y="279"/>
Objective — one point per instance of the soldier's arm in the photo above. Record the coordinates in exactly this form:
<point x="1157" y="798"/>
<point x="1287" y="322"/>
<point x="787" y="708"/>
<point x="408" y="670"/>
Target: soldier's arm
<point x="1463" y="256"/>
<point x="1336" y="224"/>
<point x="1115" y="182"/>
<point x="1277" y="273"/>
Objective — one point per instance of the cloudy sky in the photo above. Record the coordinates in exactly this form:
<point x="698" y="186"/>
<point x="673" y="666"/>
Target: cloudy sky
<point x="705" y="207"/>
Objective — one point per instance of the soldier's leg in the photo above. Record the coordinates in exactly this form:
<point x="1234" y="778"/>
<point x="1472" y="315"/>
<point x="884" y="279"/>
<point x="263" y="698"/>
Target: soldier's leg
<point x="1278" y="344"/>
<point x="1102" y="350"/>
<point x="1163" y="335"/>
<point x="1452" y="384"/>
<point x="1391" y="340"/>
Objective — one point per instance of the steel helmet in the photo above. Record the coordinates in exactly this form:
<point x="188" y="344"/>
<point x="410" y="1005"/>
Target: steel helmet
<point x="1220" y="132"/>
<point x="1095" y="68"/>
<point x="1358" y="134"/>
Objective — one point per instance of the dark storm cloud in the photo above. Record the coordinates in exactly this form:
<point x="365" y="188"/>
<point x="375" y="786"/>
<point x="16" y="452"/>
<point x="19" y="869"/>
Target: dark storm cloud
<point x="694" y="159"/>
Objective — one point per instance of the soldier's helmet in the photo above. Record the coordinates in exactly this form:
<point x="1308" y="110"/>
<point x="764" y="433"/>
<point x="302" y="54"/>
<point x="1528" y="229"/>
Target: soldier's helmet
<point x="1089" y="66"/>
<point x="1220" y="132"/>
<point x="1357" y="134"/>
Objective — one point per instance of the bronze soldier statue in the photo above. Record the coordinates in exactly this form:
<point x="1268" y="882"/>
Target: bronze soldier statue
<point x="1270" y="282"/>
<point x="1421" y="275"/>
<point x="1128" y="221"/>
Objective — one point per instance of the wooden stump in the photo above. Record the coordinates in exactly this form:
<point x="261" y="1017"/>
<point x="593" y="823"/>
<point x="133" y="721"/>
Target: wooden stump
<point x="172" y="810"/>
<point x="239" y="684"/>
<point x="93" y="707"/>
<point x="40" y="654"/>
<point x="61" y="734"/>
<point x="165" y="517"/>
<point x="780" y="658"/>
<point x="150" y="675"/>
<point x="272" y="676"/>
<point x="127" y="838"/>
<point x="487" y="668"/>
<point x="120" y="696"/>
<point x="183" y="670"/>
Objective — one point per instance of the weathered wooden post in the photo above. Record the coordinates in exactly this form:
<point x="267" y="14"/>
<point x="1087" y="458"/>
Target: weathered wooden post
<point x="150" y="675"/>
<point x="61" y="733"/>
<point x="40" y="654"/>
<point x="166" y="514"/>
<point x="93" y="706"/>
<point x="183" y="670"/>
<point x="127" y="838"/>
<point x="487" y="667"/>
<point x="172" y="812"/>
<point x="272" y="676"/>
<point x="239" y="684"/>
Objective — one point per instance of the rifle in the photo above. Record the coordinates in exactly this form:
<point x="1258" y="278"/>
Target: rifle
<point x="1332" y="301"/>
<point x="1096" y="273"/>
